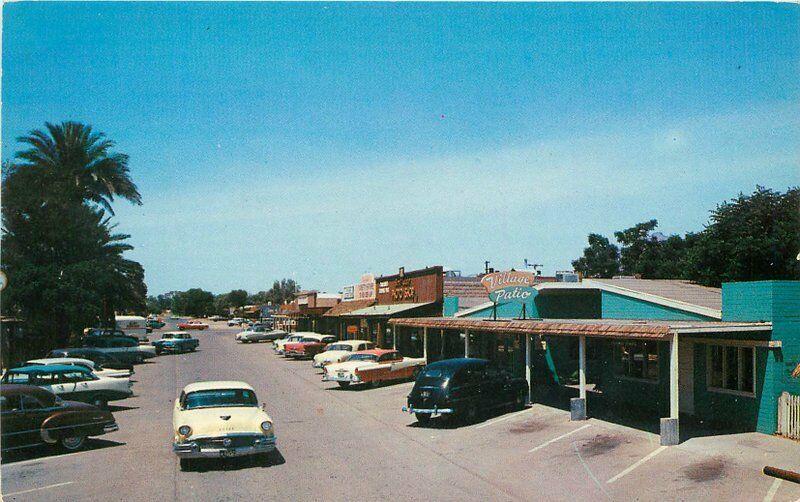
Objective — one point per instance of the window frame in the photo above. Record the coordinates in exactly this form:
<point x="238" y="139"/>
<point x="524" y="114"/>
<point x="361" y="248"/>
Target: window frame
<point x="739" y="360"/>
<point x="619" y="373"/>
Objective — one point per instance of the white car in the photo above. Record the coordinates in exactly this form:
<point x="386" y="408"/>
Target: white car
<point x="90" y="365"/>
<point x="260" y="333"/>
<point x="371" y="367"/>
<point x="219" y="420"/>
<point x="72" y="383"/>
<point x="339" y="352"/>
<point x="236" y="321"/>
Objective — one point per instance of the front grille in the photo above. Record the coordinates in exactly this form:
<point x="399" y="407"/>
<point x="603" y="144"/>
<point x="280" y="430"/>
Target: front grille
<point x="236" y="441"/>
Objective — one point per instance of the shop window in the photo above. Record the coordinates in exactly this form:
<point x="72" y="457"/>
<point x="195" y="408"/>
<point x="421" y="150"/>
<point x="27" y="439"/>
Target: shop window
<point x="731" y="369"/>
<point x="637" y="360"/>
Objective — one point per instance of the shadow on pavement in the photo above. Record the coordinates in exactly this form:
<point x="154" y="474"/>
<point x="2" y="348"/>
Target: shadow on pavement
<point x="113" y="408"/>
<point x="45" y="451"/>
<point x="450" y="422"/>
<point x="238" y="463"/>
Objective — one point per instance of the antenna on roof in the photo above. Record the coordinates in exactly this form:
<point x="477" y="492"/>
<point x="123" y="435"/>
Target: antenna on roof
<point x="535" y="266"/>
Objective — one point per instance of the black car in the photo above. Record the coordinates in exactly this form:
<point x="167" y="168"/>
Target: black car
<point x="97" y="357"/>
<point x="464" y="388"/>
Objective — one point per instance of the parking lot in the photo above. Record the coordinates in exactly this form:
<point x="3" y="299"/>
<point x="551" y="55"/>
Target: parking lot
<point x="344" y="444"/>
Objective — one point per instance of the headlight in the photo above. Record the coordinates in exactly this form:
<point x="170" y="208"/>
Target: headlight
<point x="266" y="426"/>
<point x="185" y="430"/>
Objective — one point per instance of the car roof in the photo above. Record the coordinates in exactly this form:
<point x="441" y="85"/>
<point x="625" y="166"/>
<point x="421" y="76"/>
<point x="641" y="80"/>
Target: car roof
<point x="51" y="361"/>
<point x="50" y="368"/>
<point x="216" y="384"/>
<point x="18" y="388"/>
<point x="351" y="343"/>
<point x="376" y="352"/>
<point x="455" y="364"/>
<point x="175" y="333"/>
<point x="315" y="336"/>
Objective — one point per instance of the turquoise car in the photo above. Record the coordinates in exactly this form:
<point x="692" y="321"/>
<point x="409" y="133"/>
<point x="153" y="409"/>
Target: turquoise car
<point x="176" y="341"/>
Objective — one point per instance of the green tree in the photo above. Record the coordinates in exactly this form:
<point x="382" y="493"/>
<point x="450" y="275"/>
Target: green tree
<point x="751" y="237"/>
<point x="237" y="298"/>
<point x="282" y="291"/>
<point x="193" y="302"/>
<point x="600" y="259"/>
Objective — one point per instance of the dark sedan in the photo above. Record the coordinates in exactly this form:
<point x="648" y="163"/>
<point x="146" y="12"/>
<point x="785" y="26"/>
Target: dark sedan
<point x="97" y="357"/>
<point x="31" y="416"/>
<point x="463" y="388"/>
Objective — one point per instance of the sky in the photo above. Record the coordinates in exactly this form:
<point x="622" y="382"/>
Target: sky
<point x="320" y="141"/>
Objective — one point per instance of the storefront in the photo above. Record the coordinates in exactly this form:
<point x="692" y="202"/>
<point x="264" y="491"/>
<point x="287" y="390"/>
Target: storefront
<point x="306" y="313"/>
<point x="354" y="297"/>
<point x="667" y="354"/>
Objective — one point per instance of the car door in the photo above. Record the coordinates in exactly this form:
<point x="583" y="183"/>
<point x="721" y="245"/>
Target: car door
<point x="492" y="386"/>
<point x="13" y="423"/>
<point x="35" y="413"/>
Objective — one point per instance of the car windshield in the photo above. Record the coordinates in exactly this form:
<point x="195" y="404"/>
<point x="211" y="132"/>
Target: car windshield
<point x="166" y="336"/>
<point x="341" y="346"/>
<point x="220" y="398"/>
<point x="363" y="357"/>
<point x="310" y="340"/>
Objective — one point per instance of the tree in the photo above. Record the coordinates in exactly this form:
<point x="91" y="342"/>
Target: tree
<point x="193" y="302"/>
<point x="282" y="291"/>
<point x="636" y="246"/>
<point x="237" y="298"/>
<point x="600" y="259"/>
<point x="751" y="237"/>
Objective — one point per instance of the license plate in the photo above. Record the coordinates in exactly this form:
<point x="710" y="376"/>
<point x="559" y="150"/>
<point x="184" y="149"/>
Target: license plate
<point x="425" y="393"/>
<point x="341" y="374"/>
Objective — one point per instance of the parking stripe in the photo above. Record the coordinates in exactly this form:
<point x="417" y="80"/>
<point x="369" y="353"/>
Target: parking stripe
<point x="772" y="490"/>
<point x="40" y="488"/>
<point x="506" y="417"/>
<point x="638" y="463"/>
<point x="558" y="438"/>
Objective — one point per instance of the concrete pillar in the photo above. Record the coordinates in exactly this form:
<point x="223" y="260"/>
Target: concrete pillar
<point x="425" y="344"/>
<point x="466" y="343"/>
<point x="670" y="431"/>
<point x="394" y="336"/>
<point x="578" y="404"/>
<point x="528" y="366"/>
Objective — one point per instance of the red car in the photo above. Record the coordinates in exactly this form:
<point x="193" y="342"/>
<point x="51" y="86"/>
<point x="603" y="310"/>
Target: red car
<point x="194" y="324"/>
<point x="311" y="345"/>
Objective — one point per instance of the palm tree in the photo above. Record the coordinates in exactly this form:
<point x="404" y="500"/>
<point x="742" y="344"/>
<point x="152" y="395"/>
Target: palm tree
<point x="80" y="162"/>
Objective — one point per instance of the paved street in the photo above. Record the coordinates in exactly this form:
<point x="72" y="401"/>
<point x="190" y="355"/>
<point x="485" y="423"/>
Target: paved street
<point x="356" y="444"/>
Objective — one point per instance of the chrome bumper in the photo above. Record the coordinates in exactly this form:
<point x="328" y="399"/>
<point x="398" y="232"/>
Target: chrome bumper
<point x="110" y="428"/>
<point x="428" y="411"/>
<point x="327" y="377"/>
<point x="192" y="450"/>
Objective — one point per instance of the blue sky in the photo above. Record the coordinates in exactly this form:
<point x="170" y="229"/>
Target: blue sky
<point x="320" y="141"/>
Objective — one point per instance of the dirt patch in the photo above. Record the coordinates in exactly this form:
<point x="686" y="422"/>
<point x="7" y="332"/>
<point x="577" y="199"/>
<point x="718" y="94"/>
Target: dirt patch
<point x="707" y="470"/>
<point x="529" y="426"/>
<point x="601" y="444"/>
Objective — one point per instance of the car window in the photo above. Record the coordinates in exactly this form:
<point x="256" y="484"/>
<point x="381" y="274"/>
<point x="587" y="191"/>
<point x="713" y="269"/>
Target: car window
<point x="45" y="379"/>
<point x="329" y="339"/>
<point x="74" y="376"/>
<point x="16" y="378"/>
<point x="9" y="403"/>
<point x="391" y="356"/>
<point x="30" y="403"/>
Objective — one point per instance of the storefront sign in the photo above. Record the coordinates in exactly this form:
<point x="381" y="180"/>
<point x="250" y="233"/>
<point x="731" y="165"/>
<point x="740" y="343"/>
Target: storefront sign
<point x="403" y="291"/>
<point x="511" y="286"/>
<point x="349" y="293"/>
<point x="352" y="329"/>
<point x="365" y="290"/>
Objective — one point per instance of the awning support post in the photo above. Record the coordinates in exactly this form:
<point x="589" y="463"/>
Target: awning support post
<point x="578" y="404"/>
<point x="466" y="343"/>
<point x="394" y="336"/>
<point x="670" y="432"/>
<point x="528" y="366"/>
<point x="425" y="344"/>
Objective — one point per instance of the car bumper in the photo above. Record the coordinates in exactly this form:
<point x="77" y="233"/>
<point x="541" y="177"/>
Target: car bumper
<point x="429" y="411"/>
<point x="112" y="427"/>
<point x="340" y="378"/>
<point x="192" y="450"/>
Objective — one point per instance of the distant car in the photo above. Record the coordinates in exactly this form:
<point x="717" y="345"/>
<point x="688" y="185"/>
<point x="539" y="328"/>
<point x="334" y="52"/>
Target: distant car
<point x="463" y="388"/>
<point x="176" y="341"/>
<point x="236" y="321"/>
<point x="105" y="360"/>
<point x="340" y="351"/>
<point x="71" y="382"/>
<point x="125" y="348"/>
<point x="308" y="346"/>
<point x="372" y="367"/>
<point x="155" y="324"/>
<point x="278" y="345"/>
<point x="259" y="334"/>
<point x="85" y="363"/>
<point x="220" y="420"/>
<point x="31" y="416"/>
<point x="193" y="324"/>
<point x="216" y="318"/>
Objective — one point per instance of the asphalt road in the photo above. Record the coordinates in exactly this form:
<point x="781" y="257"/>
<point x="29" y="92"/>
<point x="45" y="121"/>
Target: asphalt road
<point x="351" y="444"/>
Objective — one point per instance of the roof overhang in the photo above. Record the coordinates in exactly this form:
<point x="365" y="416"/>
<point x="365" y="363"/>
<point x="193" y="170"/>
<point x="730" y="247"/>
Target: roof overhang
<point x="387" y="310"/>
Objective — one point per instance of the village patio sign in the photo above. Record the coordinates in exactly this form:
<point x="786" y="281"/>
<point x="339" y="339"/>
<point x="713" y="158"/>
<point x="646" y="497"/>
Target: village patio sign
<point x="511" y="286"/>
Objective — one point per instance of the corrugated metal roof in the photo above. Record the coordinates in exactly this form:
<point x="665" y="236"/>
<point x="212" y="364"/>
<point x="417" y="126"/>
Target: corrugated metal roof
<point x="348" y="307"/>
<point x="601" y="328"/>
<point x="383" y="310"/>
<point x="673" y="289"/>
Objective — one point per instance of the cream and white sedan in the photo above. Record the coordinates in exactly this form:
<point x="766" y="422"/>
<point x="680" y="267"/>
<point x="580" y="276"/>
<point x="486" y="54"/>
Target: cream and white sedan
<point x="338" y="352"/>
<point x="371" y="367"/>
<point x="219" y="420"/>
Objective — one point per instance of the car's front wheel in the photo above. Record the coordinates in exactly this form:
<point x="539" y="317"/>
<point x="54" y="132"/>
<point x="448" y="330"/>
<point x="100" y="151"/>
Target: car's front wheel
<point x="72" y="443"/>
<point x="423" y="418"/>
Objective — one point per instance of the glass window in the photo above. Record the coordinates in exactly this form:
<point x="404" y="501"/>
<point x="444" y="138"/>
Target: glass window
<point x="16" y="378"/>
<point x="9" y="403"/>
<point x="637" y="360"/>
<point x="731" y="368"/>
<point x="220" y="398"/>
<point x="30" y="403"/>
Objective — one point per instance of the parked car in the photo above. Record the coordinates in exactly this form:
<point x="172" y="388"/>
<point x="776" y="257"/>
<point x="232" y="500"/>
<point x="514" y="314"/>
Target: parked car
<point x="277" y="345"/>
<point x="133" y="325"/>
<point x="372" y="367"/>
<point x="259" y="334"/>
<point x="103" y="332"/>
<point x="308" y="346"/>
<point x="236" y="321"/>
<point x="193" y="324"/>
<point x="71" y="382"/>
<point x="31" y="416"/>
<point x="126" y="348"/>
<point x="463" y="388"/>
<point x="340" y="351"/>
<point x="219" y="420"/>
<point x="85" y="363"/>
<point x="176" y="341"/>
<point x="155" y="324"/>
<point x="216" y="318"/>
<point x="105" y="360"/>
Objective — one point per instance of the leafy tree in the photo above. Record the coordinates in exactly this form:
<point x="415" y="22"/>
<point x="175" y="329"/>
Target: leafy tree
<point x="636" y="248"/>
<point x="193" y="302"/>
<point x="600" y="259"/>
<point x="751" y="237"/>
<point x="282" y="291"/>
<point x="237" y="298"/>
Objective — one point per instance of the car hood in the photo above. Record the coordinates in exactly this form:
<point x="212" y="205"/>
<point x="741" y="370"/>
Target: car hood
<point x="350" y="366"/>
<point x="210" y="421"/>
<point x="331" y="355"/>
